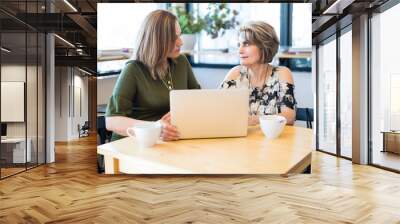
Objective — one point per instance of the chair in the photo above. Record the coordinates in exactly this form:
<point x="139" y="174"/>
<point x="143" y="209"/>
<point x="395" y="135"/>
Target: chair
<point x="305" y="114"/>
<point x="310" y="116"/>
<point x="105" y="136"/>
<point x="84" y="130"/>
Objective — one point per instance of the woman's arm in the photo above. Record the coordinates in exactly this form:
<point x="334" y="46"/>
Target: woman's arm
<point x="287" y="107"/>
<point x="233" y="74"/>
<point x="289" y="114"/>
<point x="119" y="124"/>
<point x="120" y="107"/>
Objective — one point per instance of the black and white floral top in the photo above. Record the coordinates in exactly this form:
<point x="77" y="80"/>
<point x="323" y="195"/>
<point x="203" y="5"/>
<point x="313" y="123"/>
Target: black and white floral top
<point x="269" y="98"/>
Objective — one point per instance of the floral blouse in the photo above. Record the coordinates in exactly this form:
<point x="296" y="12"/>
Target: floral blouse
<point x="269" y="98"/>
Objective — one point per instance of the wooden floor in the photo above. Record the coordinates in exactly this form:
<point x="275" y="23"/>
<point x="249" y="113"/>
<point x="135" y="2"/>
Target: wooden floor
<point x="10" y="171"/>
<point x="70" y="191"/>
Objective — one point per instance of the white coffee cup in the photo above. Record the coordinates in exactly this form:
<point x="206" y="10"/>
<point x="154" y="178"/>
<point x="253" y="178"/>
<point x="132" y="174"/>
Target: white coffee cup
<point x="146" y="134"/>
<point x="272" y="125"/>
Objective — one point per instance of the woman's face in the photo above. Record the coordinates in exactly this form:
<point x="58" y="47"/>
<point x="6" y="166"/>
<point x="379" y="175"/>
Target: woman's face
<point x="178" y="43"/>
<point x="249" y="53"/>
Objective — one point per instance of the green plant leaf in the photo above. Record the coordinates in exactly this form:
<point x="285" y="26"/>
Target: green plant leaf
<point x="219" y="18"/>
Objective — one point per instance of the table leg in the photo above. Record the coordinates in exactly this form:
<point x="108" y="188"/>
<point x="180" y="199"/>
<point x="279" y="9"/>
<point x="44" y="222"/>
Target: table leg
<point x="307" y="170"/>
<point x="384" y="143"/>
<point x="111" y="165"/>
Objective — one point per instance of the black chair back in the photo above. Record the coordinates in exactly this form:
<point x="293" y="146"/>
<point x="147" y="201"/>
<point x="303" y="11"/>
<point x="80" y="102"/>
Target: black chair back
<point x="86" y="126"/>
<point x="103" y="135"/>
<point x="305" y="114"/>
<point x="301" y="114"/>
<point x="101" y="122"/>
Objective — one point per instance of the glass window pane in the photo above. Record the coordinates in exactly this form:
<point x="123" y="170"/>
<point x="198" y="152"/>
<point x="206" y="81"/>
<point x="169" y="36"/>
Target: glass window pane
<point x="118" y="24"/>
<point x="327" y="97"/>
<point x="385" y="86"/>
<point x="346" y="94"/>
<point x="301" y="25"/>
<point x="13" y="71"/>
<point x="212" y="48"/>
<point x="32" y="101"/>
<point x="41" y="99"/>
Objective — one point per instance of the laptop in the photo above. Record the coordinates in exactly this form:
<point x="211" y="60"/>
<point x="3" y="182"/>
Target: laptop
<point x="213" y="113"/>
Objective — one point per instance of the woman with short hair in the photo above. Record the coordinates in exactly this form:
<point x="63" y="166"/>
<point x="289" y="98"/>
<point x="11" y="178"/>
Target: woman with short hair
<point x="271" y="88"/>
<point x="142" y="91"/>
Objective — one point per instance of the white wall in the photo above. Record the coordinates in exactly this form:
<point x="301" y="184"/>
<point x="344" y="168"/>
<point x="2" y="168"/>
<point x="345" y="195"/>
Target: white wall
<point x="71" y="87"/>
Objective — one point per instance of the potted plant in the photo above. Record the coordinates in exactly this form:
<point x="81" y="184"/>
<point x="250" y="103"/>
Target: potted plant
<point x="219" y="19"/>
<point x="190" y="25"/>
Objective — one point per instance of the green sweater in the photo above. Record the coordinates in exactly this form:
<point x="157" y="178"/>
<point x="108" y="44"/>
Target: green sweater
<point x="137" y="95"/>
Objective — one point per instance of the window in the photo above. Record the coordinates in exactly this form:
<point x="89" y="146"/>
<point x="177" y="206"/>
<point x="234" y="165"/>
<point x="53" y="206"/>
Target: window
<point x="301" y="26"/>
<point x="385" y="88"/>
<point x="117" y="30"/>
<point x="269" y="13"/>
<point x="22" y="71"/>
<point x="212" y="48"/>
<point x="118" y="24"/>
<point x="327" y="97"/>
<point x="300" y="36"/>
<point x="346" y="94"/>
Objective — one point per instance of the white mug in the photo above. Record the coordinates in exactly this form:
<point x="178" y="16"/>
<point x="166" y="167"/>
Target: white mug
<point x="272" y="125"/>
<point x="146" y="134"/>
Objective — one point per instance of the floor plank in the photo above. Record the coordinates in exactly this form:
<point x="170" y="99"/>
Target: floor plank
<point x="70" y="191"/>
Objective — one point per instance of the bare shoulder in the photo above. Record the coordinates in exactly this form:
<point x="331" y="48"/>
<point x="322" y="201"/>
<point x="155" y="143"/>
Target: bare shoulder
<point x="285" y="74"/>
<point x="233" y="74"/>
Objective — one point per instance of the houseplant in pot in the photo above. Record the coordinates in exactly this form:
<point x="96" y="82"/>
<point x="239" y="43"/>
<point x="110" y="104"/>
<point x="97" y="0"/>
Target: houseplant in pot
<point x="190" y="26"/>
<point x="219" y="19"/>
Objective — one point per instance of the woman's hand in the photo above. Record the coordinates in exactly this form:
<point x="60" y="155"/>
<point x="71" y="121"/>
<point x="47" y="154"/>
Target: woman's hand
<point x="168" y="132"/>
<point x="253" y="120"/>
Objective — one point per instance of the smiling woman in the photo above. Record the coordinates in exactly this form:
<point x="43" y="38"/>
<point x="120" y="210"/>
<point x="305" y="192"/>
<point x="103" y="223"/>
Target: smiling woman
<point x="142" y="91"/>
<point x="271" y="88"/>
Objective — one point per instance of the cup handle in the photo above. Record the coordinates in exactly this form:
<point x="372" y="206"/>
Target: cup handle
<point x="159" y="123"/>
<point x="130" y="132"/>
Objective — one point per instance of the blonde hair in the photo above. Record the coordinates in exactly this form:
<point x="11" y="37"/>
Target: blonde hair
<point x="264" y="37"/>
<point x="156" y="39"/>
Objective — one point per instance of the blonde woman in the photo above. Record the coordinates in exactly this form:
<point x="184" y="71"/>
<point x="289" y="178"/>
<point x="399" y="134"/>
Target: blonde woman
<point x="271" y="88"/>
<point x="142" y="90"/>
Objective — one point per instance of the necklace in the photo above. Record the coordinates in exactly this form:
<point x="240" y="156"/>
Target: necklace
<point x="258" y="103"/>
<point x="168" y="83"/>
<point x="263" y="81"/>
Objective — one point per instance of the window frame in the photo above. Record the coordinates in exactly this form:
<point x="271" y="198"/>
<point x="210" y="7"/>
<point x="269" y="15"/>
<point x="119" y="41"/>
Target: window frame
<point x="285" y="38"/>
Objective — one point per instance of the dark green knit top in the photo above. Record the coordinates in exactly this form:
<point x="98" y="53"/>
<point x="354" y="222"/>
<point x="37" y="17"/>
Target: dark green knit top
<point x="137" y="95"/>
